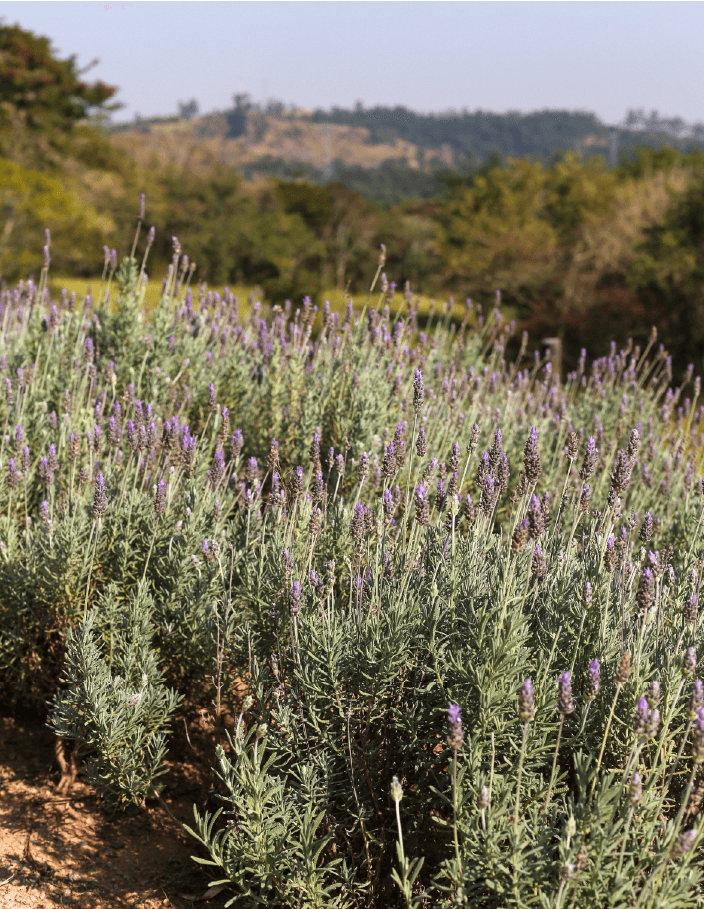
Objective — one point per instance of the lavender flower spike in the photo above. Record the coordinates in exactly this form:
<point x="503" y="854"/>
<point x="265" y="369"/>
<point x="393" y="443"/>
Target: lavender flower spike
<point x="565" y="701"/>
<point x="684" y="843"/>
<point x="160" y="499"/>
<point x="640" y="720"/>
<point x="418" y="391"/>
<point x="698" y="739"/>
<point x="422" y="505"/>
<point x="689" y="662"/>
<point x="593" y="680"/>
<point x="526" y="702"/>
<point x="697" y="701"/>
<point x="100" y="498"/>
<point x="455" y="736"/>
<point x="635" y="790"/>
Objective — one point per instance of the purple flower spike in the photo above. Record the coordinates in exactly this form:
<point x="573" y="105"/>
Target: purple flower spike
<point x="697" y="701"/>
<point x="698" y="740"/>
<point x="455" y="736"/>
<point x="236" y="443"/>
<point x="418" y="391"/>
<point x="100" y="498"/>
<point x="526" y="702"/>
<point x="295" y="598"/>
<point x="689" y="662"/>
<point x="565" y="701"/>
<point x="422" y="505"/>
<point x="593" y="680"/>
<point x="160" y="499"/>
<point x="646" y="722"/>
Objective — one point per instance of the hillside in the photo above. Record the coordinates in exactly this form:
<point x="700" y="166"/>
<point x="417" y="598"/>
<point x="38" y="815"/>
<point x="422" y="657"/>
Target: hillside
<point x="293" y="139"/>
<point x="384" y="154"/>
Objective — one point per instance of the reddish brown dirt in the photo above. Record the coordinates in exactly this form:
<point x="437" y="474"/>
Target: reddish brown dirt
<point x="61" y="849"/>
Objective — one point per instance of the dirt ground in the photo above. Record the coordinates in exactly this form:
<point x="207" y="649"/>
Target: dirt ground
<point x="59" y="848"/>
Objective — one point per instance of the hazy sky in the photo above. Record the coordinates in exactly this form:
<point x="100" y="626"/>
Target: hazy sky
<point x="430" y="56"/>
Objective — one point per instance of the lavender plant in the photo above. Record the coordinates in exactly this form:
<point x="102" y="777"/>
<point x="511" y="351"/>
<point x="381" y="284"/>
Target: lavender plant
<point x="358" y="536"/>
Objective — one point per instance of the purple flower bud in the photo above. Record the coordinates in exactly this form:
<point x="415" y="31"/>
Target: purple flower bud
<point x="362" y="468"/>
<point x="591" y="456"/>
<point x="208" y="553"/>
<point x="251" y="470"/>
<point x="645" y="721"/>
<point x="689" y="662"/>
<point x="697" y="701"/>
<point x="418" y="391"/>
<point x="389" y="465"/>
<point x="455" y="736"/>
<point x="646" y="591"/>
<point x="13" y="475"/>
<point x="635" y="791"/>
<point x="684" y="843"/>
<point x="236" y="444"/>
<point x="45" y="517"/>
<point x="294" y="601"/>
<point x="646" y="530"/>
<point x="593" y="680"/>
<point x="422" y="505"/>
<point x="357" y="523"/>
<point x="531" y="457"/>
<point x="160" y="499"/>
<point x="388" y="505"/>
<point x="526" y="702"/>
<point x="565" y="701"/>
<point x="488" y="497"/>
<point x="698" y="739"/>
<point x="535" y="518"/>
<point x="539" y="564"/>
<point x="689" y="612"/>
<point x="100" y="500"/>
<point x="297" y="483"/>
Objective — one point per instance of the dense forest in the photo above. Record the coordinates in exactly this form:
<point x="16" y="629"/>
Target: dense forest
<point x="578" y="248"/>
<point x="473" y="136"/>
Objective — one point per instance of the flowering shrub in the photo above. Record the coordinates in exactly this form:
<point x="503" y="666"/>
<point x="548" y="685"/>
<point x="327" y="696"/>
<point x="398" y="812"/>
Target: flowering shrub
<point x="449" y="601"/>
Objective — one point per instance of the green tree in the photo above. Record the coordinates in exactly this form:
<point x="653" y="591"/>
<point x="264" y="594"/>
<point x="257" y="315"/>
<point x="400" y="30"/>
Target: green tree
<point x="669" y="272"/>
<point x="45" y="92"/>
<point x="495" y="233"/>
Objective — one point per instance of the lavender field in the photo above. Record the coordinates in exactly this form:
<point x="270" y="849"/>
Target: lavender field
<point x="441" y="602"/>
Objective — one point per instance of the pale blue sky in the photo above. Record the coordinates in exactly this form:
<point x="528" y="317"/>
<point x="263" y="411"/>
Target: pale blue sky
<point x="430" y="56"/>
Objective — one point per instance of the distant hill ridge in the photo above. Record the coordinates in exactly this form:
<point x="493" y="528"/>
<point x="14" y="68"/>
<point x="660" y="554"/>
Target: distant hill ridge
<point x="410" y="147"/>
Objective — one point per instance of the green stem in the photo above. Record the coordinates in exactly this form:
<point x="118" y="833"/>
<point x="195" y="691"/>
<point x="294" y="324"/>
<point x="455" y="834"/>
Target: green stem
<point x="554" y="761"/>
<point x="606" y="735"/>
<point x="90" y="570"/>
<point x="520" y="774"/>
<point x="454" y="807"/>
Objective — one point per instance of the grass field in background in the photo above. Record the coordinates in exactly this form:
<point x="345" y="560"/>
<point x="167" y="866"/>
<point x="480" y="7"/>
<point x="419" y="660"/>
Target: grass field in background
<point x="337" y="298"/>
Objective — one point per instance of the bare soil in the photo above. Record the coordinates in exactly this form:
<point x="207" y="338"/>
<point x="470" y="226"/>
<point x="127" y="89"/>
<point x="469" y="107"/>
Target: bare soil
<point x="58" y="847"/>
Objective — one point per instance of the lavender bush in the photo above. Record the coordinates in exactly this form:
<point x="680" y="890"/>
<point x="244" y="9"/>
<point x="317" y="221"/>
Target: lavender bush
<point x="446" y="602"/>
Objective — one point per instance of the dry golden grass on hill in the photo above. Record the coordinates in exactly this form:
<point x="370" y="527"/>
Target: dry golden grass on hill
<point x="201" y="144"/>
